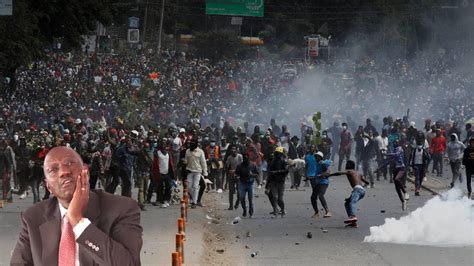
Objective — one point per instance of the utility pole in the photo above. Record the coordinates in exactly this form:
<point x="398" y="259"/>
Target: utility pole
<point x="144" y="23"/>
<point x="161" y="26"/>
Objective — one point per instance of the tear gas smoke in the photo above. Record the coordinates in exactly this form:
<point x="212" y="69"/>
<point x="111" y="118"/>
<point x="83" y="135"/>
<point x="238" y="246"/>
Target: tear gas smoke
<point x="446" y="220"/>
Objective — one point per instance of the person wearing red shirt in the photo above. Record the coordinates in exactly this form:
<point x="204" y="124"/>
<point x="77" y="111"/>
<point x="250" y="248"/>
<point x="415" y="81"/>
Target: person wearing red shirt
<point x="437" y="148"/>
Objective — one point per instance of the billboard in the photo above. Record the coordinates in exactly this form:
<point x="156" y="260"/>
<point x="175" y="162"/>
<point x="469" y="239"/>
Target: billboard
<point x="313" y="47"/>
<point x="133" y="36"/>
<point x="247" y="8"/>
<point x="6" y="8"/>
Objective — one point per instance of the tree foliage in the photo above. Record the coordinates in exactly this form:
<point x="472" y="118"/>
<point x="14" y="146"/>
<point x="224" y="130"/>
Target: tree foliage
<point x="36" y="23"/>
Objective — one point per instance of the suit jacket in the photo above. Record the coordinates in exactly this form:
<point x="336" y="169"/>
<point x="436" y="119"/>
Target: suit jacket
<point x="114" y="236"/>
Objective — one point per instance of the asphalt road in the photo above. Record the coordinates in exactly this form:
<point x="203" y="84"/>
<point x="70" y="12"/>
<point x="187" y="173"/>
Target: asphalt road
<point x="283" y="241"/>
<point x="280" y="241"/>
<point x="159" y="231"/>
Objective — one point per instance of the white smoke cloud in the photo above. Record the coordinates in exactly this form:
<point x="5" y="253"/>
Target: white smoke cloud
<point x="446" y="220"/>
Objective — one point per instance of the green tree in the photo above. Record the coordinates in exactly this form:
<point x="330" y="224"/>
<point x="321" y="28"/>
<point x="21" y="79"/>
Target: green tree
<point x="36" y="23"/>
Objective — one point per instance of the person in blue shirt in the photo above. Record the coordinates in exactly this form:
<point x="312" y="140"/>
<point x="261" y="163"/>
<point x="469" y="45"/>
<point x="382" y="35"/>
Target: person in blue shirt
<point x="316" y="166"/>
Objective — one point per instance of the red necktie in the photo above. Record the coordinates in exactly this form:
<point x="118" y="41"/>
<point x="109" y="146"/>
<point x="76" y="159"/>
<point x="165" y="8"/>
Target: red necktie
<point x="67" y="245"/>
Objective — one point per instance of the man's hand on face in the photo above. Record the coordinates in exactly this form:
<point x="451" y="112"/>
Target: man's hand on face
<point x="80" y="199"/>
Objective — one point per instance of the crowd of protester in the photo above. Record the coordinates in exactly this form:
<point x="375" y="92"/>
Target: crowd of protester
<point x="150" y="122"/>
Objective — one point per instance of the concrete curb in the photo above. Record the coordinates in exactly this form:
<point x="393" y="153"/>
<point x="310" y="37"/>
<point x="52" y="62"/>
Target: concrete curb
<point x="423" y="186"/>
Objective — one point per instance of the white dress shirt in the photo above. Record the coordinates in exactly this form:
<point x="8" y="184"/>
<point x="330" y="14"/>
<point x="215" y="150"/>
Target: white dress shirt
<point x="78" y="229"/>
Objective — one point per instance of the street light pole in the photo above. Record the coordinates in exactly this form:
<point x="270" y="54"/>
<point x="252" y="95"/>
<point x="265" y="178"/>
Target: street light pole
<point x="144" y="23"/>
<point x="329" y="48"/>
<point x="161" y="26"/>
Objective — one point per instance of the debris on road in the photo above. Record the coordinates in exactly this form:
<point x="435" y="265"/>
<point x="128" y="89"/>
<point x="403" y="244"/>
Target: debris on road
<point x="253" y="254"/>
<point x="309" y="235"/>
<point x="220" y="251"/>
<point x="236" y="220"/>
<point x="249" y="234"/>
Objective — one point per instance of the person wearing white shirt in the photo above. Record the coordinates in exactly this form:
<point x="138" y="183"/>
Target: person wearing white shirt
<point x="382" y="146"/>
<point x="196" y="167"/>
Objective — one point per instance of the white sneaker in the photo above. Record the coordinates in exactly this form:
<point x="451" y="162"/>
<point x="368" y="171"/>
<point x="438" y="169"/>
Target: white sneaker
<point x="164" y="205"/>
<point x="404" y="205"/>
<point x="259" y="187"/>
<point x="219" y="191"/>
<point x="22" y="196"/>
<point x="407" y="196"/>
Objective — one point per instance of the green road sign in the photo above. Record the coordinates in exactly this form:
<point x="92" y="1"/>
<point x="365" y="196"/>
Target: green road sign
<point x="248" y="8"/>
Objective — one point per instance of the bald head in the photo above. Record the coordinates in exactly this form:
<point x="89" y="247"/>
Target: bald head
<point x="60" y="152"/>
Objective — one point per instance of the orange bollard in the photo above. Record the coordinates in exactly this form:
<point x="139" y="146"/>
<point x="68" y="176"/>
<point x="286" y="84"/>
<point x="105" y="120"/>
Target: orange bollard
<point x="181" y="228"/>
<point x="181" y="238"/>
<point x="186" y="199"/>
<point x="186" y="203"/>
<point x="180" y="246"/>
<point x="175" y="259"/>
<point x="185" y="185"/>
<point x="183" y="209"/>
<point x="185" y="194"/>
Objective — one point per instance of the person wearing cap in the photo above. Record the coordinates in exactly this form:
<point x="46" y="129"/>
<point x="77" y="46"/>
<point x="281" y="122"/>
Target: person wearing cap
<point x="79" y="127"/>
<point x="277" y="172"/>
<point x="319" y="184"/>
<point x="468" y="162"/>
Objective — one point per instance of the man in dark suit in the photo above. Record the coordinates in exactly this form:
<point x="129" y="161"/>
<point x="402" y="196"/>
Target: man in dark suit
<point x="78" y="226"/>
